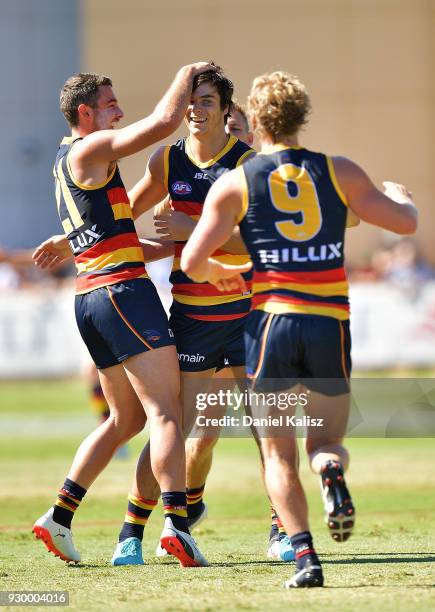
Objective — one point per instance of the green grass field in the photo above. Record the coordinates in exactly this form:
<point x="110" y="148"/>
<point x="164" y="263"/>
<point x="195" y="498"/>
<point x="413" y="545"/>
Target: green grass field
<point x="387" y="565"/>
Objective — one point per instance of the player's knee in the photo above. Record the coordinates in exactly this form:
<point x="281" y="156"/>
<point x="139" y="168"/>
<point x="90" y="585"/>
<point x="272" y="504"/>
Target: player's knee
<point x="168" y="423"/>
<point x="127" y="426"/>
<point x="137" y="424"/>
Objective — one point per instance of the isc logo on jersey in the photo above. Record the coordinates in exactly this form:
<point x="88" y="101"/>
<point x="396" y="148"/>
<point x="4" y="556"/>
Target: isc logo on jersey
<point x="181" y="187"/>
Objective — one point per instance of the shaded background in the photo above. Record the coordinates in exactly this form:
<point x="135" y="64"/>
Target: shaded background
<point x="368" y="65"/>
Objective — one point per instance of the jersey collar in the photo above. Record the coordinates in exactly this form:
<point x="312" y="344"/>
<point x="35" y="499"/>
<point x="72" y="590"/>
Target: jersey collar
<point x="231" y="142"/>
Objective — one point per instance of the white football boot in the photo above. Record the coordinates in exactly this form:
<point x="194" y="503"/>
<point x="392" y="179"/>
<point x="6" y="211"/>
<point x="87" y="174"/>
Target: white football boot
<point x="56" y="537"/>
<point x="181" y="545"/>
<point x="192" y="523"/>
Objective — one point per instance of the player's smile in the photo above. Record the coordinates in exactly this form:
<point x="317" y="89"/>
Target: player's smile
<point x="197" y="120"/>
<point x="204" y="113"/>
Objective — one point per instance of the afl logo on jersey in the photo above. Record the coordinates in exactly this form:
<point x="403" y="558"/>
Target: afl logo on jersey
<point x="181" y="187"/>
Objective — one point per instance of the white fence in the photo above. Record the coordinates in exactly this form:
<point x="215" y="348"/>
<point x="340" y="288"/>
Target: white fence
<point x="38" y="334"/>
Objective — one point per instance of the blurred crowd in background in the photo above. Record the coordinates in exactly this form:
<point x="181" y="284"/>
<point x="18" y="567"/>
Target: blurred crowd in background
<point x="397" y="262"/>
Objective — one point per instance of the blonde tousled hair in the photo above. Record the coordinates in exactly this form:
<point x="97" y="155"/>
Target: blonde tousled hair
<point x="280" y="104"/>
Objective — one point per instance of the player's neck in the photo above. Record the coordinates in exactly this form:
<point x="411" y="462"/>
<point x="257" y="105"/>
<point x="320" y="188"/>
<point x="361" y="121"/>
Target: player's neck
<point x="80" y="132"/>
<point x="206" y="146"/>
<point x="267" y="143"/>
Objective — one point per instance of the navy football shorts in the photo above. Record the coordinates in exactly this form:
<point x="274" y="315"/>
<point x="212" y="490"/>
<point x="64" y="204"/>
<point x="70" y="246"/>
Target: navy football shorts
<point x="283" y="349"/>
<point x="204" y="345"/>
<point x="122" y="320"/>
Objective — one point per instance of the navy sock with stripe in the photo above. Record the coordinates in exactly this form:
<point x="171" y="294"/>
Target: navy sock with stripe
<point x="138" y="513"/>
<point x="304" y="550"/>
<point x="194" y="501"/>
<point x="174" y="503"/>
<point x="67" y="502"/>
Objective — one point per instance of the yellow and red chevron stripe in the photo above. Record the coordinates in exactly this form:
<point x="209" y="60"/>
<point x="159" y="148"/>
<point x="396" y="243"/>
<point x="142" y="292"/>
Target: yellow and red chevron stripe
<point x="193" y="209"/>
<point x="110" y="261"/>
<point x="120" y="203"/>
<point x="321" y="293"/>
<point x="328" y="283"/>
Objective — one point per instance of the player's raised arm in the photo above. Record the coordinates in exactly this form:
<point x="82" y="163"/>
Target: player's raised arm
<point x="393" y="211"/>
<point x="222" y="209"/>
<point x="107" y="145"/>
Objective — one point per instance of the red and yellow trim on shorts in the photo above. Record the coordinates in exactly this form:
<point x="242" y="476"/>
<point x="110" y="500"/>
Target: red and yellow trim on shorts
<point x="129" y="325"/>
<point x="343" y="352"/>
<point x="263" y="347"/>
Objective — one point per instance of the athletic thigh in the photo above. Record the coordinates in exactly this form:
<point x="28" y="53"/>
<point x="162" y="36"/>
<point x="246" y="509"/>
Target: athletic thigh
<point x="155" y="377"/>
<point x="121" y="398"/>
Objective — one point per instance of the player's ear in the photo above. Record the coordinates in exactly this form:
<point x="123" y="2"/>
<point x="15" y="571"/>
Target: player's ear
<point x="250" y="139"/>
<point x="84" y="110"/>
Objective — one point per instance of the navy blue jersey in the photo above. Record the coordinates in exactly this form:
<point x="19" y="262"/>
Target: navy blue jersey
<point x="188" y="183"/>
<point x="98" y="223"/>
<point x="293" y="224"/>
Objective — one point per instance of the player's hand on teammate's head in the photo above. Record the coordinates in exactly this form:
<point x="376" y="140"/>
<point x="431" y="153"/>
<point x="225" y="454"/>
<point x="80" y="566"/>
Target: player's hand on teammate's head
<point x="397" y="192"/>
<point x="200" y="67"/>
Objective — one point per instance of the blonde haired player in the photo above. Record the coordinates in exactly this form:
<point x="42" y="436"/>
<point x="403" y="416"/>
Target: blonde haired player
<point x="292" y="205"/>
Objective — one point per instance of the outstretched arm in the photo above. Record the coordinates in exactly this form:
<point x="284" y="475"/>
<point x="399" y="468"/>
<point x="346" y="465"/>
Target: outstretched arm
<point x="222" y="209"/>
<point x="52" y="252"/>
<point x="393" y="211"/>
<point x="18" y="257"/>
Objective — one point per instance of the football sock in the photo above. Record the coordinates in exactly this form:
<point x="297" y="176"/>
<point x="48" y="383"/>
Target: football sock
<point x="174" y="503"/>
<point x="304" y="550"/>
<point x="281" y="531"/>
<point x="274" y="526"/>
<point x="277" y="528"/>
<point x="98" y="402"/>
<point x="194" y="501"/>
<point x="67" y="502"/>
<point x="138" y="512"/>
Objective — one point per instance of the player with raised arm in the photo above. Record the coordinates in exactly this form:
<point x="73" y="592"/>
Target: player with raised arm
<point x="292" y="205"/>
<point x="207" y="325"/>
<point x="178" y="225"/>
<point x="118" y="312"/>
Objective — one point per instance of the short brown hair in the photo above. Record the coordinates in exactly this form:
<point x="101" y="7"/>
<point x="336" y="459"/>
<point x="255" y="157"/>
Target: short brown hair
<point x="220" y="82"/>
<point x="280" y="104"/>
<point x="80" y="89"/>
